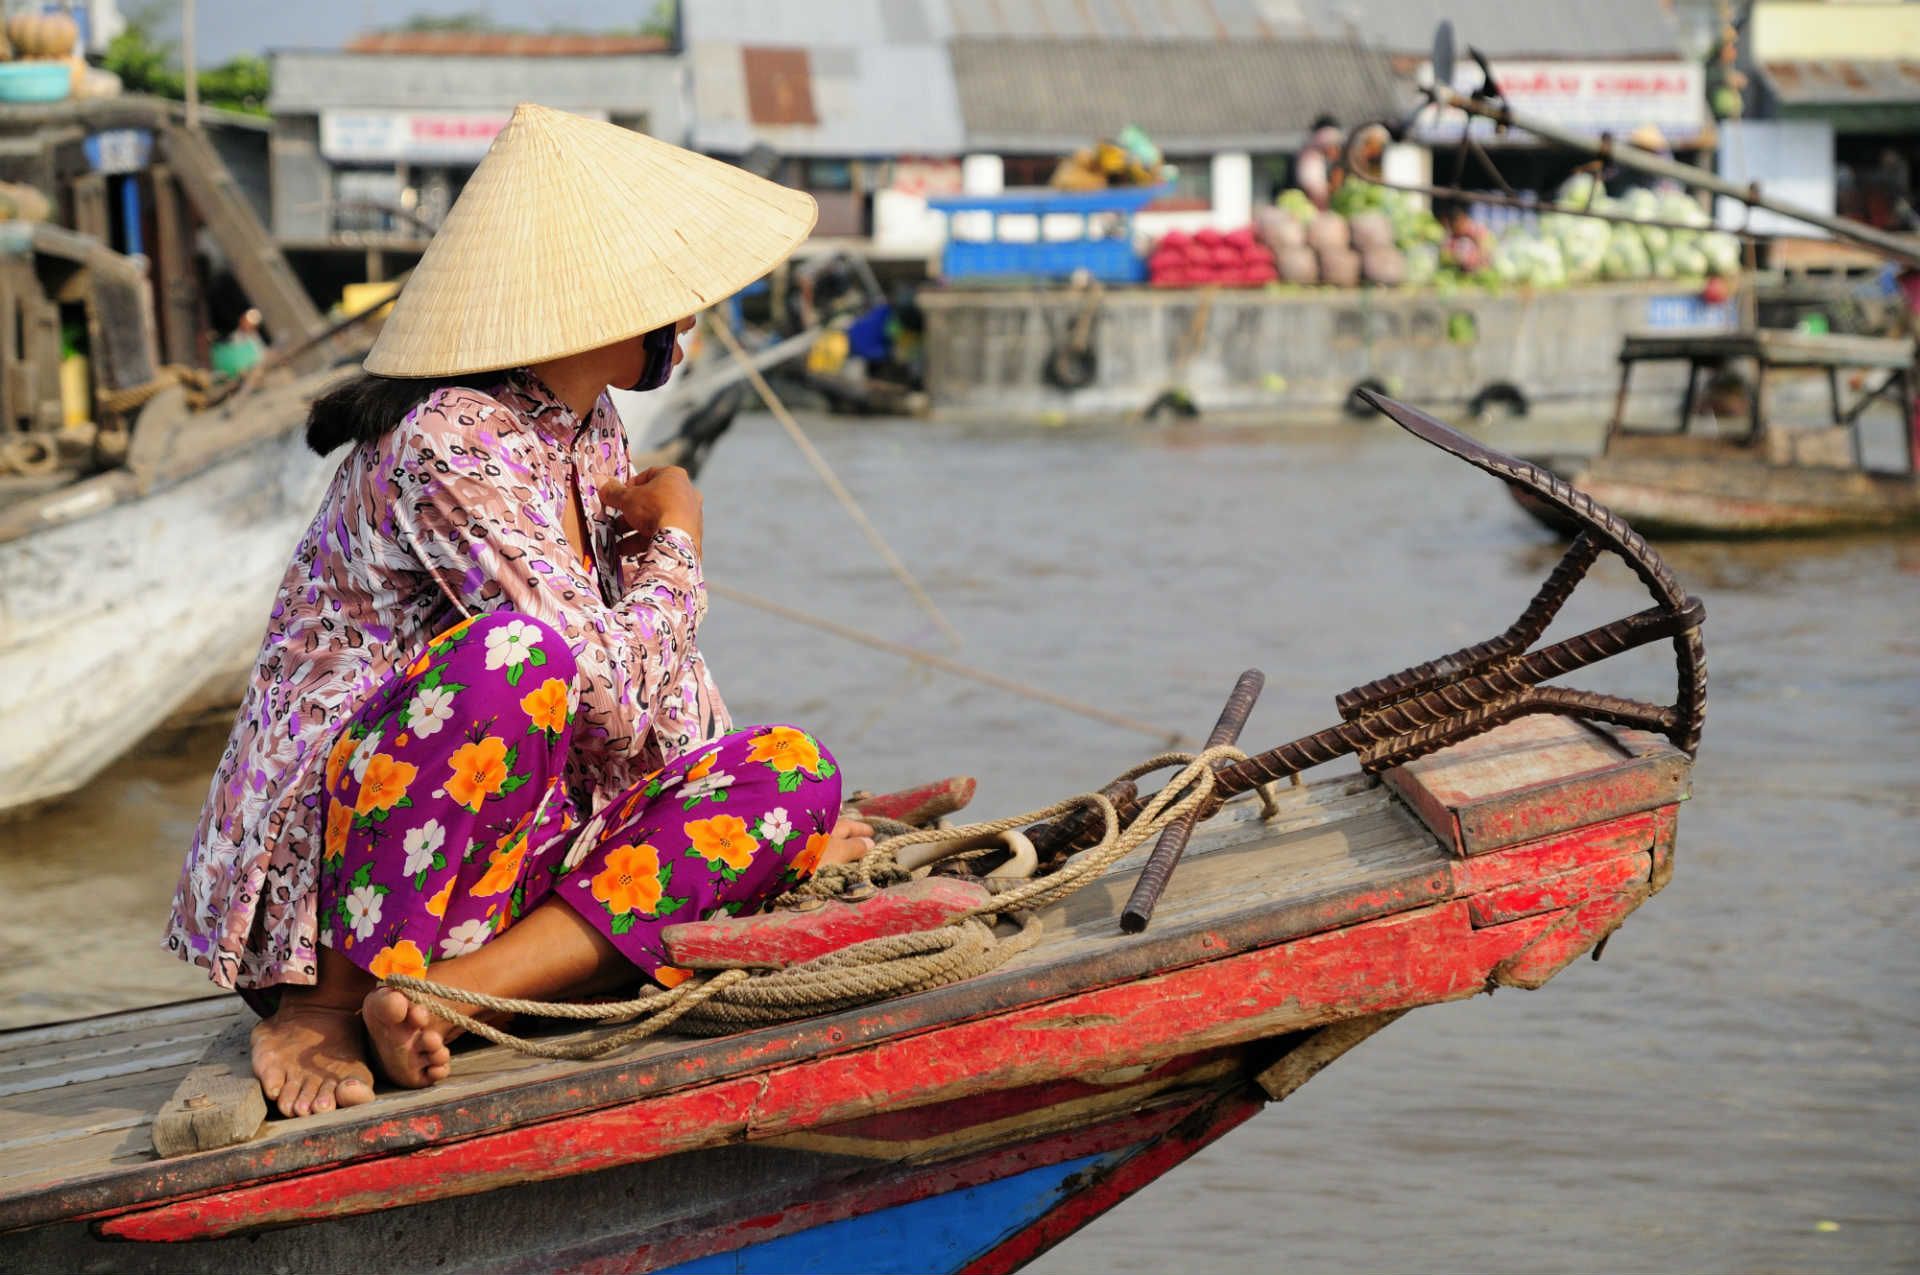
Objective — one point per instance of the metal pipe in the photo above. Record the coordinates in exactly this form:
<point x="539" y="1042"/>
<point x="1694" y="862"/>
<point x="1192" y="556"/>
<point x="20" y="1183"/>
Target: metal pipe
<point x="1173" y="838"/>
<point x="1901" y="249"/>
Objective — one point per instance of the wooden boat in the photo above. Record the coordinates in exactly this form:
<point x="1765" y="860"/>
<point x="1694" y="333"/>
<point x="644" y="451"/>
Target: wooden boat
<point x="1769" y="478"/>
<point x="140" y="552"/>
<point x="965" y="1127"/>
<point x="164" y="478"/>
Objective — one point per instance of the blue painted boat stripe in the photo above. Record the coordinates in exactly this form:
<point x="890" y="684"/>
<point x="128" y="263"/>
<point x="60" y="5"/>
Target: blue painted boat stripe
<point x="939" y="1233"/>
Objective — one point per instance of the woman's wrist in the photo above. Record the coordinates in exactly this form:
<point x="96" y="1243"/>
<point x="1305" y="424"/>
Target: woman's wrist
<point x="678" y="532"/>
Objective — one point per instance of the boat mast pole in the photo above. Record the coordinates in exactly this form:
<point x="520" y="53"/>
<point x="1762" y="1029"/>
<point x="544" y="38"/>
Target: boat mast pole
<point x="1904" y="250"/>
<point x="189" y="56"/>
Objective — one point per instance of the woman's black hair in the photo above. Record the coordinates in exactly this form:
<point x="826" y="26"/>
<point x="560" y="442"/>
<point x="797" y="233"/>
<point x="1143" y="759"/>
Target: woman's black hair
<point x="368" y="406"/>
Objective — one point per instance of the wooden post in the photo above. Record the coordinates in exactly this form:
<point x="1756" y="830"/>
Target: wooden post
<point x="1758" y="412"/>
<point x="174" y="277"/>
<point x="1907" y="414"/>
<point x="1686" y="401"/>
<point x="90" y="213"/>
<point x="1619" y="403"/>
<point x="191" y="61"/>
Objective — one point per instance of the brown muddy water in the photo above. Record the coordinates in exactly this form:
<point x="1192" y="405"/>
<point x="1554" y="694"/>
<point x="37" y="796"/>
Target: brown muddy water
<point x="1736" y="1087"/>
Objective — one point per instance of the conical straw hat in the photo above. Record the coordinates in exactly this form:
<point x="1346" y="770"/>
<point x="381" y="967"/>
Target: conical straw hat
<point x="573" y="234"/>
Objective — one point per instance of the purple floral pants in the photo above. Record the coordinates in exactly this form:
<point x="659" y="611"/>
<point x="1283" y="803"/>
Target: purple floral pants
<point x="448" y="820"/>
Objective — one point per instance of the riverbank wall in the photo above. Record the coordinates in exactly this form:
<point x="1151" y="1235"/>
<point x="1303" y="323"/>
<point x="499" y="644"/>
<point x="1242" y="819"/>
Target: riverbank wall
<point x="997" y="353"/>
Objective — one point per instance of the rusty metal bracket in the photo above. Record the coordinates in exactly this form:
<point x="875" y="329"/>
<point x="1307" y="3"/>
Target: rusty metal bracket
<point x="1419" y="710"/>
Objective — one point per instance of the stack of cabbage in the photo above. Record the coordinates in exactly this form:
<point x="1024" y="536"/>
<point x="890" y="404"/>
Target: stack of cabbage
<point x="1615" y="250"/>
<point x="1396" y="240"/>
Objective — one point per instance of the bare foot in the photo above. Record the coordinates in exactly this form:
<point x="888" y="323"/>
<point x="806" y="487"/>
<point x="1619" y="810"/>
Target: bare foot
<point x="309" y="1058"/>
<point x="411" y="1049"/>
<point x="851" y="839"/>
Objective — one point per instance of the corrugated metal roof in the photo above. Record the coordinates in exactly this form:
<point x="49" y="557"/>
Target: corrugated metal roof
<point x="1889" y="82"/>
<point x="1125" y="19"/>
<point x="1503" y="28"/>
<point x="308" y="82"/>
<point x="505" y="44"/>
<point x="810" y="24"/>
<point x="1189" y="95"/>
<point x="878" y="72"/>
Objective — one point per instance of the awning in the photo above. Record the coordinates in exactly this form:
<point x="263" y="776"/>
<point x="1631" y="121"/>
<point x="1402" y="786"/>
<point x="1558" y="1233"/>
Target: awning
<point x="1192" y="97"/>
<point x="1857" y="95"/>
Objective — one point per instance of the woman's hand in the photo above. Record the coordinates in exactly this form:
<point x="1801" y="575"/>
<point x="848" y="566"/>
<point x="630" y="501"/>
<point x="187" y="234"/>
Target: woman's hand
<point x="851" y="839"/>
<point x="656" y="498"/>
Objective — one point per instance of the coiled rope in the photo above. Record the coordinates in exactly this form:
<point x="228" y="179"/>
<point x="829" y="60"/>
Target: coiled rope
<point x="861" y="973"/>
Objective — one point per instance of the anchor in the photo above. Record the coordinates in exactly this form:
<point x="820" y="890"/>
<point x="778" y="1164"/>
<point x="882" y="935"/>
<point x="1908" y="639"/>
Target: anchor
<point x="1386" y="722"/>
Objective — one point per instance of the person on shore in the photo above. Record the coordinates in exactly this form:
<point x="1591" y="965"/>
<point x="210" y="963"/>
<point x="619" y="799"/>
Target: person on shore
<point x="1316" y="168"/>
<point x="1621" y="180"/>
<point x="1469" y="244"/>
<point x="480" y="744"/>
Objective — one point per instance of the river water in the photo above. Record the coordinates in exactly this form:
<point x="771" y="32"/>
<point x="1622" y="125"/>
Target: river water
<point x="1735" y="1088"/>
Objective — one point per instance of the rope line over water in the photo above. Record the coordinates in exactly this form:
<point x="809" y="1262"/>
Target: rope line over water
<point x="832" y="480"/>
<point x="946" y="664"/>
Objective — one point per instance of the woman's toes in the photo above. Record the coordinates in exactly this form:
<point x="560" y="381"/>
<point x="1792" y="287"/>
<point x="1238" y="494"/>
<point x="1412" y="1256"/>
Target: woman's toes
<point x="439" y="1071"/>
<point x="323" y="1099"/>
<point x="352" y="1091"/>
<point x="388" y="1005"/>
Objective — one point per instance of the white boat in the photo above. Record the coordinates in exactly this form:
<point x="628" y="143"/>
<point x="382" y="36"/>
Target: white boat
<point x="135" y="594"/>
<point x="146" y="512"/>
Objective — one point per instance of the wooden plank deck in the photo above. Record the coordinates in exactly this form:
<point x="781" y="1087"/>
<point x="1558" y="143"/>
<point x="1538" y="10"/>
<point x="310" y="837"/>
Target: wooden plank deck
<point x="75" y="1127"/>
<point x="76" y="1100"/>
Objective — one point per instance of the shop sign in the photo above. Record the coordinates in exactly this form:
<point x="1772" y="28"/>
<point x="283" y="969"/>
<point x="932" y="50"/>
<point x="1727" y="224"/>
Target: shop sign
<point x="118" y="150"/>
<point x="1584" y="97"/>
<point x="1682" y="313"/>
<point x="412" y="137"/>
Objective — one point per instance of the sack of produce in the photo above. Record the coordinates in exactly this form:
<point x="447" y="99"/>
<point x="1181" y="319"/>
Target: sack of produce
<point x="1328" y="230"/>
<point x="1371" y="231"/>
<point x="1386" y="267"/>
<point x="1273" y="227"/>
<point x="1340" y="267"/>
<point x="1299" y="265"/>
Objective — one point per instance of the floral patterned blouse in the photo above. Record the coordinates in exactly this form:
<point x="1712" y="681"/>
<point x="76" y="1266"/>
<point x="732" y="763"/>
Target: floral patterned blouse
<point x="457" y="511"/>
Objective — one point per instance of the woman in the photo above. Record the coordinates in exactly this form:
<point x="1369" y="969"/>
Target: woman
<point x="481" y="743"/>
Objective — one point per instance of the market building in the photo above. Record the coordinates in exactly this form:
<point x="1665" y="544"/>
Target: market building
<point x="852" y="101"/>
<point x="371" y="144"/>
<point x="876" y="106"/>
<point x="1835" y="91"/>
<point x="1620" y="68"/>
